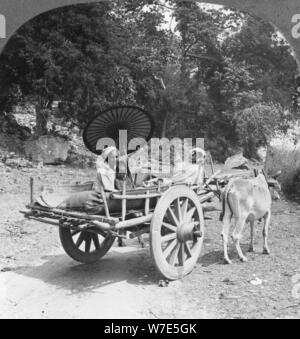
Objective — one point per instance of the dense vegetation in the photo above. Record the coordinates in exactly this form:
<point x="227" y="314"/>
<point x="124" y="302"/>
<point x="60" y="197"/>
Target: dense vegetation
<point x="220" y="74"/>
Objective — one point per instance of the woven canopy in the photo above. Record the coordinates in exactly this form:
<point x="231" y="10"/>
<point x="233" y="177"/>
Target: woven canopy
<point x="137" y="122"/>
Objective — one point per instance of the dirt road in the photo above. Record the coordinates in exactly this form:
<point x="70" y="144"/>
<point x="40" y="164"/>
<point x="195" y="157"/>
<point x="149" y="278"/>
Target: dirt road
<point x="37" y="280"/>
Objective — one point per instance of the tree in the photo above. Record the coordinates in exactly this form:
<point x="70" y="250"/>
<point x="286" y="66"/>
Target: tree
<point x="86" y="57"/>
<point x="270" y="57"/>
<point x="240" y="62"/>
<point x="256" y="125"/>
<point x="198" y="81"/>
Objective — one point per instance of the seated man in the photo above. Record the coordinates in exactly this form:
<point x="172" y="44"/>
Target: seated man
<point x="108" y="164"/>
<point x="189" y="172"/>
<point x="106" y="169"/>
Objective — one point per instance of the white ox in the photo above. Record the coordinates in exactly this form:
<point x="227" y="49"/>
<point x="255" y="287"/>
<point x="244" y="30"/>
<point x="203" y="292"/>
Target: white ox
<point x="247" y="200"/>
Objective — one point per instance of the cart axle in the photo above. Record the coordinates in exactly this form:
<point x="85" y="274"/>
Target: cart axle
<point x="187" y="232"/>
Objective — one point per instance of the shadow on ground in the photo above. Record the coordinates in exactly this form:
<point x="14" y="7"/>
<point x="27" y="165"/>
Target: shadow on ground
<point x="134" y="267"/>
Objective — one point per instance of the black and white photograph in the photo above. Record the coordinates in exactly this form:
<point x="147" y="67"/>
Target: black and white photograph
<point x="149" y="162"/>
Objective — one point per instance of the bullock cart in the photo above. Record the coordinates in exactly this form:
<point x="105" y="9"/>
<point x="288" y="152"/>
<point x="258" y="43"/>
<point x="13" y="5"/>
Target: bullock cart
<point x="172" y="215"/>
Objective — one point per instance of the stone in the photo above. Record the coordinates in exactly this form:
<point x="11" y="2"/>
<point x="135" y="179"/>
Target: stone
<point x="163" y="283"/>
<point x="18" y="163"/>
<point x="256" y="282"/>
<point x="49" y="150"/>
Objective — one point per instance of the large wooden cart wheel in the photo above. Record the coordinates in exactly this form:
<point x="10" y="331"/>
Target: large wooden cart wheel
<point x="177" y="232"/>
<point x="85" y="247"/>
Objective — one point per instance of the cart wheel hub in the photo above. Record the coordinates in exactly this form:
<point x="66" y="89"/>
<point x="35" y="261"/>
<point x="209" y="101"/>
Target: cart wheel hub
<point x="186" y="232"/>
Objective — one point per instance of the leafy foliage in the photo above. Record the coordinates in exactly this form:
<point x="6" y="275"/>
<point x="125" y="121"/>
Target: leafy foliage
<point x="220" y="74"/>
<point x="256" y="125"/>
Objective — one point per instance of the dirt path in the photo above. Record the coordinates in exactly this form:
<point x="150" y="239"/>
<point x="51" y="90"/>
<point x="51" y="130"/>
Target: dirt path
<point x="37" y="280"/>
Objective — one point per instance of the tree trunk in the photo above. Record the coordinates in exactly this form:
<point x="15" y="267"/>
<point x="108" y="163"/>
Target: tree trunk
<point x="42" y="115"/>
<point x="164" y="126"/>
<point x="166" y="115"/>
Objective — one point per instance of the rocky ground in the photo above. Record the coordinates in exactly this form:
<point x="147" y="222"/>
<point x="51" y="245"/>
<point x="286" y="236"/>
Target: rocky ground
<point x="37" y="280"/>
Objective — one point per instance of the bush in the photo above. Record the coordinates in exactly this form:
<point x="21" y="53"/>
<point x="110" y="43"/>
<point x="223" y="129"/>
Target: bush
<point x="256" y="125"/>
<point x="296" y="186"/>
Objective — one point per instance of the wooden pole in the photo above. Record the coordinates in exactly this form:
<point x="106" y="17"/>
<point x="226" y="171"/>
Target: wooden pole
<point x="124" y="201"/>
<point x="134" y="222"/>
<point x="102" y="191"/>
<point x="31" y="191"/>
<point x="104" y="201"/>
<point x="147" y="204"/>
<point x="136" y="196"/>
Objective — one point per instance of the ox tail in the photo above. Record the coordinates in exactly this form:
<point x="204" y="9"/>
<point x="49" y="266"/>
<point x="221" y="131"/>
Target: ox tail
<point x="225" y="203"/>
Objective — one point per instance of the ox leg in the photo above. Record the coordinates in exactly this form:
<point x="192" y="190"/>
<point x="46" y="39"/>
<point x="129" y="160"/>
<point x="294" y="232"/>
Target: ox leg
<point x="266" y="233"/>
<point x="141" y="241"/>
<point x="121" y="242"/>
<point x="237" y="236"/>
<point x="225" y="235"/>
<point x="251" y="247"/>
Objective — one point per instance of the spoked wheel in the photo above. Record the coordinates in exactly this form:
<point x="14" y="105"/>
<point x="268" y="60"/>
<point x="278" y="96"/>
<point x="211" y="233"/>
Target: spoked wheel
<point x="177" y="232"/>
<point x="85" y="247"/>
